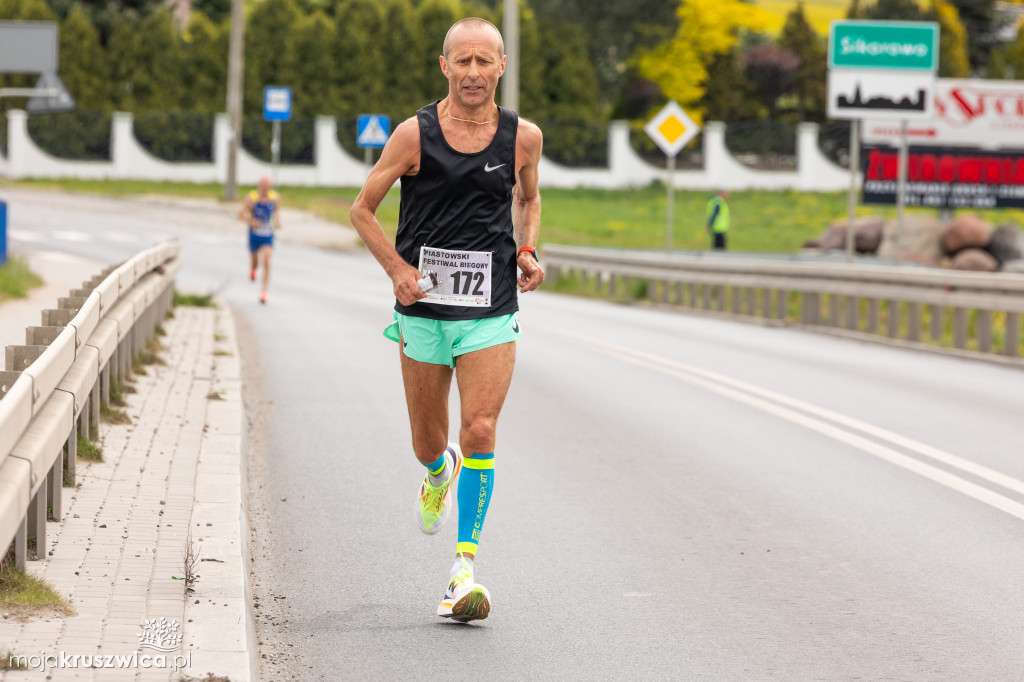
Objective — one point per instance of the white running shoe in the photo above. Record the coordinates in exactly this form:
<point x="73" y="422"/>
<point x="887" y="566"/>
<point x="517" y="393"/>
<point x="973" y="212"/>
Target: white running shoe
<point x="465" y="600"/>
<point x="434" y="505"/>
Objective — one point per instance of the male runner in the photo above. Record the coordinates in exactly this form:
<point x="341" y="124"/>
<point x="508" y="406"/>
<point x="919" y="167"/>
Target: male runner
<point x="261" y="211"/>
<point x="469" y="214"/>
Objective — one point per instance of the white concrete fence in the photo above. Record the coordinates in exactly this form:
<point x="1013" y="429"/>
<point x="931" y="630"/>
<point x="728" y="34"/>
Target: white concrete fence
<point x="52" y="387"/>
<point x="336" y="168"/>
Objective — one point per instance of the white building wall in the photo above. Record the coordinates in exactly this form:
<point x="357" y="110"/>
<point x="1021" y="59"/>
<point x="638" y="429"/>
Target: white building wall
<point x="334" y="167"/>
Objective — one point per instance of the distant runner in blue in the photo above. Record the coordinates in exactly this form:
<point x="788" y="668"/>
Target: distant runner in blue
<point x="261" y="211"/>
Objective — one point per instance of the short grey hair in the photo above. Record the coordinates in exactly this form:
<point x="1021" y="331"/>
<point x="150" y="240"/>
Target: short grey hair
<point x="472" y="22"/>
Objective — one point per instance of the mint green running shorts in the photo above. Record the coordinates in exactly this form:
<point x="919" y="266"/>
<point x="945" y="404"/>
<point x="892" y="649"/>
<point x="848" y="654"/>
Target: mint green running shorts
<point x="439" y="342"/>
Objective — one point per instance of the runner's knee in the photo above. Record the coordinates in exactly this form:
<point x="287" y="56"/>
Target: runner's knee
<point x="478" y="432"/>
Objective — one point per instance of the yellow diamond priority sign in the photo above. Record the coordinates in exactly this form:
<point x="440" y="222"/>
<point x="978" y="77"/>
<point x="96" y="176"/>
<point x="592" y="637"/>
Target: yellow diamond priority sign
<point x="671" y="128"/>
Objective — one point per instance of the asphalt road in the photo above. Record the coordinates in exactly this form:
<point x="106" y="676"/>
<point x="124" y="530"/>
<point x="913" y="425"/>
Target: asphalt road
<point x="676" y="496"/>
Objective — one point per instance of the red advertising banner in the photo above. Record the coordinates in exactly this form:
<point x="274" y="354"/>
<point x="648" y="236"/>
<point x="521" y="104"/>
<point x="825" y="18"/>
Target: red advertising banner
<point x="953" y="177"/>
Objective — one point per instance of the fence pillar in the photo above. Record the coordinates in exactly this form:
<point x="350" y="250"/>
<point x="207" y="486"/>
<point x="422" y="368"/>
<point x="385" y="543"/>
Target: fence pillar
<point x="122" y="139"/>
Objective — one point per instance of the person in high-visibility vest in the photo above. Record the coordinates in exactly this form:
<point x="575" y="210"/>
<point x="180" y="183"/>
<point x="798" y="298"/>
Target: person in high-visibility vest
<point x="718" y="219"/>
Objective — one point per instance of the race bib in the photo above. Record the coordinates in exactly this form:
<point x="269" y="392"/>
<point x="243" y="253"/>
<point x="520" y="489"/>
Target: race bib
<point x="464" y="277"/>
<point x="265" y="229"/>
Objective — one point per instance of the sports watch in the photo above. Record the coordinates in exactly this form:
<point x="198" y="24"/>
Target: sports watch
<point x="532" y="250"/>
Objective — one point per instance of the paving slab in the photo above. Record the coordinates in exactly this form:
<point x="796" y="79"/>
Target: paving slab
<point x="170" y="481"/>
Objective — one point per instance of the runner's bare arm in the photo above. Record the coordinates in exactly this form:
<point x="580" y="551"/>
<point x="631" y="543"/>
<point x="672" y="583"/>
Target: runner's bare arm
<point x="526" y="202"/>
<point x="245" y="212"/>
<point x="400" y="156"/>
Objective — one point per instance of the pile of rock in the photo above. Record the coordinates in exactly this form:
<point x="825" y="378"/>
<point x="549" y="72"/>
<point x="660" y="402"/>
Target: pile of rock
<point x="965" y="243"/>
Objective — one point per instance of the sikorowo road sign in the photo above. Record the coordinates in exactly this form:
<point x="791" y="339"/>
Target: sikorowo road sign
<point x="905" y="45"/>
<point x="671" y="128"/>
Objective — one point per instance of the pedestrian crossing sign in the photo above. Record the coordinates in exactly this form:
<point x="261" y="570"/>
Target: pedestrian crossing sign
<point x="671" y="128"/>
<point x="373" y="130"/>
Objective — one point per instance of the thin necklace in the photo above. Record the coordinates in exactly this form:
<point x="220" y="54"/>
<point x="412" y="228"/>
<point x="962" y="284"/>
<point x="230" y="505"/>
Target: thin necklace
<point x="448" y="110"/>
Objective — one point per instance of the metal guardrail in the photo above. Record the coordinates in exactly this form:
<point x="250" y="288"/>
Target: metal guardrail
<point x="966" y="312"/>
<point x="53" y="386"/>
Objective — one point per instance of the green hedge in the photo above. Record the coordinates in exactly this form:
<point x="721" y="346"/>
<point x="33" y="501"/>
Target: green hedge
<point x="297" y="139"/>
<point x="176" y="135"/>
<point x="74" y="135"/>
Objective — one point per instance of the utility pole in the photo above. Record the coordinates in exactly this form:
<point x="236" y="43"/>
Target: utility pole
<point x="510" y="33"/>
<point x="236" y="57"/>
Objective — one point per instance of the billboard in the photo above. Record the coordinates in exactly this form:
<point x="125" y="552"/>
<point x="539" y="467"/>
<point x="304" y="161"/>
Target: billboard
<point x="945" y="177"/>
<point x="971" y="112"/>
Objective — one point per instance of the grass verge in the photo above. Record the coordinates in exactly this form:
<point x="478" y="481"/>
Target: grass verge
<point x="89" y="451"/>
<point x="763" y="221"/>
<point x="16" y="279"/>
<point x="195" y="300"/>
<point x="23" y="595"/>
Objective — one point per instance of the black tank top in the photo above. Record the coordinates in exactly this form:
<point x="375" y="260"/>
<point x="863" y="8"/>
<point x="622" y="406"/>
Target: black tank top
<point x="462" y="202"/>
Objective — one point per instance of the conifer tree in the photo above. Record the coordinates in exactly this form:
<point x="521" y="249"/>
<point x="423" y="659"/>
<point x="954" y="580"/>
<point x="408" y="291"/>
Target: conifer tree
<point x="800" y="38"/>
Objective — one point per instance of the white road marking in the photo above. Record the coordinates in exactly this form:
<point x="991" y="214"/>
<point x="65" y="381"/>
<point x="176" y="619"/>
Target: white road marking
<point x="749" y="395"/>
<point x="71" y="236"/>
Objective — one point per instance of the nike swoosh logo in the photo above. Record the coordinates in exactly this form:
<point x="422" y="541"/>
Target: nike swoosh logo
<point x="516" y="328"/>
<point x="488" y="167"/>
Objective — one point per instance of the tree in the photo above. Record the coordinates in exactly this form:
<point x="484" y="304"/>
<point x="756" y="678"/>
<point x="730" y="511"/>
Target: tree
<point x="707" y="28"/>
<point x="895" y="10"/>
<point x="83" y="62"/>
<point x="434" y="20"/>
<point x="953" y="58"/>
<point x="204" y="65"/>
<point x="358" y="57"/>
<point x="772" y="70"/>
<point x="800" y="38"/>
<point x="983" y="23"/>
<point x="732" y="96"/>
<point x="157" y="61"/>
<point x="404" y="75"/>
<point x="122" y="47"/>
<point x="270" y="41"/>
<point x="315" y="91"/>
<point x="614" y="31"/>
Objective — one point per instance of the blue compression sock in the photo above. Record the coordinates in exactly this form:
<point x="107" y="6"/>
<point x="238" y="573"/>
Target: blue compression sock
<point x="475" y="485"/>
<point x="437" y="467"/>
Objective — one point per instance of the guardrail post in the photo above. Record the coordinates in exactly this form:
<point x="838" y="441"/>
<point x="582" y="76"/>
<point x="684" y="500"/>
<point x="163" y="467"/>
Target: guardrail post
<point x="20" y="357"/>
<point x="737" y="299"/>
<point x="37" y="520"/>
<point x="892" y="326"/>
<point x="94" y="406"/>
<point x="21" y="545"/>
<point x="914" y="323"/>
<point x="938" y="322"/>
<point x="873" y="307"/>
<point x="71" y="446"/>
<point x="104" y="386"/>
<point x="751" y="301"/>
<point x="1011" y="339"/>
<point x="852" y="310"/>
<point x="985" y="331"/>
<point x="55" y="481"/>
<point x="960" y="328"/>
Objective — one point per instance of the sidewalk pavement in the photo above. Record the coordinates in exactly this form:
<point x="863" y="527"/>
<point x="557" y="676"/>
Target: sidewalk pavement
<point x="170" y="481"/>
